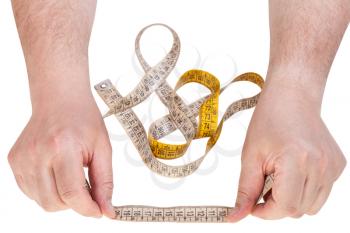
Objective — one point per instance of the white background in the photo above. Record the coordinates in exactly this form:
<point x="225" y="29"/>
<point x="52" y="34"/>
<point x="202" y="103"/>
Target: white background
<point x="232" y="37"/>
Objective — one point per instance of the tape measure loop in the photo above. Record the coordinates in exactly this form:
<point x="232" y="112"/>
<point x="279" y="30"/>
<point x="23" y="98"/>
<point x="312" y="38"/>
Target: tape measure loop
<point x="181" y="117"/>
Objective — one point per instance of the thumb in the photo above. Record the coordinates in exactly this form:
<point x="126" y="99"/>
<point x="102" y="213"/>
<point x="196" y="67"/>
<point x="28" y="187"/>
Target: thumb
<point x="251" y="183"/>
<point x="101" y="178"/>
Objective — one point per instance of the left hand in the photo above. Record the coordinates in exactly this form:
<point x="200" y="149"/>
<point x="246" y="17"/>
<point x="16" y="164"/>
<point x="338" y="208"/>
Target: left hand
<point x="287" y="137"/>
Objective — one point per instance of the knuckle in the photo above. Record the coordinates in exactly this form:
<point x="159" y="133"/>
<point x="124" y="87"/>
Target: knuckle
<point x="56" y="142"/>
<point x="312" y="212"/>
<point x="108" y="185"/>
<point x="310" y="158"/>
<point x="303" y="155"/>
<point x="25" y="156"/>
<point x="279" y="162"/>
<point x="338" y="166"/>
<point x="291" y="210"/>
<point x="320" y="161"/>
<point x="32" y="147"/>
<point x="11" y="158"/>
<point x="61" y="140"/>
<point x="243" y="196"/>
<point x="298" y="215"/>
<point x="48" y="206"/>
<point x="69" y="194"/>
<point x="343" y="162"/>
<point x="303" y="159"/>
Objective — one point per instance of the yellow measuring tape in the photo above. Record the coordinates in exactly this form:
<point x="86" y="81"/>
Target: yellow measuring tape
<point x="181" y="117"/>
<point x="208" y="113"/>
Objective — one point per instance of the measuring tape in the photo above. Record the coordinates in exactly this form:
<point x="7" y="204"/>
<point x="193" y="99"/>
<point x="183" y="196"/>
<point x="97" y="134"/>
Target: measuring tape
<point x="182" y="117"/>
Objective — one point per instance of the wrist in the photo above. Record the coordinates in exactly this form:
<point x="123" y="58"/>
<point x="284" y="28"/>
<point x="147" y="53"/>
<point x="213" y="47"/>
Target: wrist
<point x="296" y="83"/>
<point x="57" y="81"/>
<point x="55" y="95"/>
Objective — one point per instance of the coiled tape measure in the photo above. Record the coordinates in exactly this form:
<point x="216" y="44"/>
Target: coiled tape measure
<point x="181" y="116"/>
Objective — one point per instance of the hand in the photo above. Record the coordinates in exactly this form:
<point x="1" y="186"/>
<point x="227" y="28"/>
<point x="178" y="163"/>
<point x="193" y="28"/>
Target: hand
<point x="287" y="137"/>
<point x="64" y="135"/>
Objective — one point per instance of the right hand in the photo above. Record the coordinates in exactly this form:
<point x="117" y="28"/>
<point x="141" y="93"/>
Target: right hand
<point x="49" y="155"/>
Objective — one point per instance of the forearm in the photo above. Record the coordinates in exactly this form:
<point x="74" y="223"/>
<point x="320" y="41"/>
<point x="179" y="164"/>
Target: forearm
<point x="55" y="35"/>
<point x="305" y="36"/>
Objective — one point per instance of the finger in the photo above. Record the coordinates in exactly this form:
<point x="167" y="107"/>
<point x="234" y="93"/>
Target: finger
<point x="311" y="189"/>
<point x="23" y="187"/>
<point x="18" y="172"/>
<point x="286" y="193"/>
<point x="251" y="183"/>
<point x="320" y="200"/>
<point x="47" y="194"/>
<point x="70" y="182"/>
<point x="101" y="178"/>
<point x="269" y="206"/>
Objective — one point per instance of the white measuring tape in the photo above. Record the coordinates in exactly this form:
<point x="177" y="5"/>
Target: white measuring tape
<point x="182" y="117"/>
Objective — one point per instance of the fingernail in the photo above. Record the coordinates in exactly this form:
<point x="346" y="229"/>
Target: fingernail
<point x="110" y="206"/>
<point x="111" y="212"/>
<point x="97" y="215"/>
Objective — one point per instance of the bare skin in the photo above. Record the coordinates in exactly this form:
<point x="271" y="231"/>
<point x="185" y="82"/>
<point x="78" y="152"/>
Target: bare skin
<point x="66" y="130"/>
<point x="286" y="135"/>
